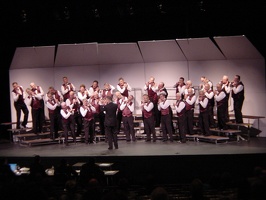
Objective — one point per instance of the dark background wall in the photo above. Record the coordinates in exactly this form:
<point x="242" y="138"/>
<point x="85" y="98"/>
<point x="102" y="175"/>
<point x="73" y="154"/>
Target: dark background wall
<point x="39" y="23"/>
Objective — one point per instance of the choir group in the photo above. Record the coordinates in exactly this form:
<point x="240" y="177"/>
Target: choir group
<point x="72" y="110"/>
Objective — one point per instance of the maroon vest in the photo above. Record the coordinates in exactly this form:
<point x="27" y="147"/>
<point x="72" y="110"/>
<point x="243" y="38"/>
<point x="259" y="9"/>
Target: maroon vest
<point x="203" y="109"/>
<point x="177" y="89"/>
<point x="107" y="94"/>
<point x="182" y="111"/>
<point x="125" y="93"/>
<point x="75" y="106"/>
<point x="165" y="111"/>
<point x="66" y="95"/>
<point x="188" y="106"/>
<point x="96" y="105"/>
<point x="68" y="119"/>
<point x="152" y="95"/>
<point x="20" y="97"/>
<point x="89" y="115"/>
<point x="223" y="101"/>
<point x="126" y="112"/>
<point x="239" y="95"/>
<point x="146" y="113"/>
<point x="210" y="101"/>
<point x="36" y="103"/>
<point x="52" y="102"/>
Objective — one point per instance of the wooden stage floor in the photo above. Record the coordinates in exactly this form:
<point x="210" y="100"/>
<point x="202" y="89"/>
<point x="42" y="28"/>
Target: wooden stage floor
<point x="256" y="145"/>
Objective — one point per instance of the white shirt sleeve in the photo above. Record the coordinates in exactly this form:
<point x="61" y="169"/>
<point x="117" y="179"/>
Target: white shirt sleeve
<point x="209" y="95"/>
<point x="180" y="107"/>
<point x="149" y="107"/>
<point x="50" y="106"/>
<point x="63" y="90"/>
<point x="220" y="96"/>
<point x="238" y="89"/>
<point x="66" y="116"/>
<point x="204" y="103"/>
<point x="192" y="101"/>
<point x="164" y="105"/>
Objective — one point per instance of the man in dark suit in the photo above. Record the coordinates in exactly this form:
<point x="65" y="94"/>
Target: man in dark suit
<point x="110" y="122"/>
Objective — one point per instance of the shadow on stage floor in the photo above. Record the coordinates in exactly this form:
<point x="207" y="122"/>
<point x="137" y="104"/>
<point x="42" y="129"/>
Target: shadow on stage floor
<point x="168" y="162"/>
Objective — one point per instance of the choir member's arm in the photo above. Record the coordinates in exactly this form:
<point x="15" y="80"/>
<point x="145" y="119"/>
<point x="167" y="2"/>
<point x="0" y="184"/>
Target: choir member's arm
<point x="238" y="89"/>
<point x="180" y="107"/>
<point x="65" y="115"/>
<point x="149" y="107"/>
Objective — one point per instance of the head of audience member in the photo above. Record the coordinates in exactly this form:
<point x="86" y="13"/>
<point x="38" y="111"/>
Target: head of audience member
<point x="225" y="79"/>
<point x="161" y="85"/>
<point x="65" y="80"/>
<point x="178" y="96"/>
<point x="95" y="84"/>
<point x="188" y="84"/>
<point x="159" y="193"/>
<point x="121" y="81"/>
<point x="190" y="92"/>
<point x="15" y="85"/>
<point x="82" y="88"/>
<point x="218" y="87"/>
<point x="146" y="98"/>
<point x="32" y="85"/>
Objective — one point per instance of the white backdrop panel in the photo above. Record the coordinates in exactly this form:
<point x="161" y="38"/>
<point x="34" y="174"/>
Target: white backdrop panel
<point x="237" y="47"/>
<point x="76" y="55"/>
<point x="33" y="57"/>
<point x="119" y="53"/>
<point x="161" y="51"/>
<point x="200" y="49"/>
<point x="40" y="76"/>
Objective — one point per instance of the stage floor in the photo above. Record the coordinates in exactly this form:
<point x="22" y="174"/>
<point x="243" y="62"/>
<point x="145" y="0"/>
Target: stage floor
<point x="256" y="145"/>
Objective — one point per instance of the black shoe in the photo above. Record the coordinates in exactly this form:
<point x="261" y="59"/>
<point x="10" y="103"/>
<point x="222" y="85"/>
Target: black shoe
<point x="116" y="147"/>
<point x="110" y="148"/>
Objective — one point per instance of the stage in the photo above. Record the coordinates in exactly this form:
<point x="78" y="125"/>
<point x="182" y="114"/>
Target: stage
<point x="168" y="162"/>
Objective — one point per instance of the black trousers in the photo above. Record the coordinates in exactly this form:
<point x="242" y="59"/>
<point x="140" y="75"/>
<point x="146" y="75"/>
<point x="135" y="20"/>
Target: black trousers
<point x="37" y="120"/>
<point x="166" y="126"/>
<point x="221" y="114"/>
<point x="129" y="128"/>
<point x="189" y="115"/>
<point x="119" y="120"/>
<point x="78" y="122"/>
<point x="70" y="124"/>
<point x="238" y="103"/>
<point x="181" y="127"/>
<point x="204" y="122"/>
<point x="21" y="107"/>
<point x="111" y="132"/>
<point x="149" y="128"/>
<point x="55" y="121"/>
<point x="88" y="130"/>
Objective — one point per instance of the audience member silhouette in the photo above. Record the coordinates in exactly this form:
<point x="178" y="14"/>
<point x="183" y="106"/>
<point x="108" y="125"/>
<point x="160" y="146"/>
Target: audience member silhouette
<point x="64" y="172"/>
<point x="89" y="171"/>
<point x="159" y="193"/>
<point x="36" y="168"/>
